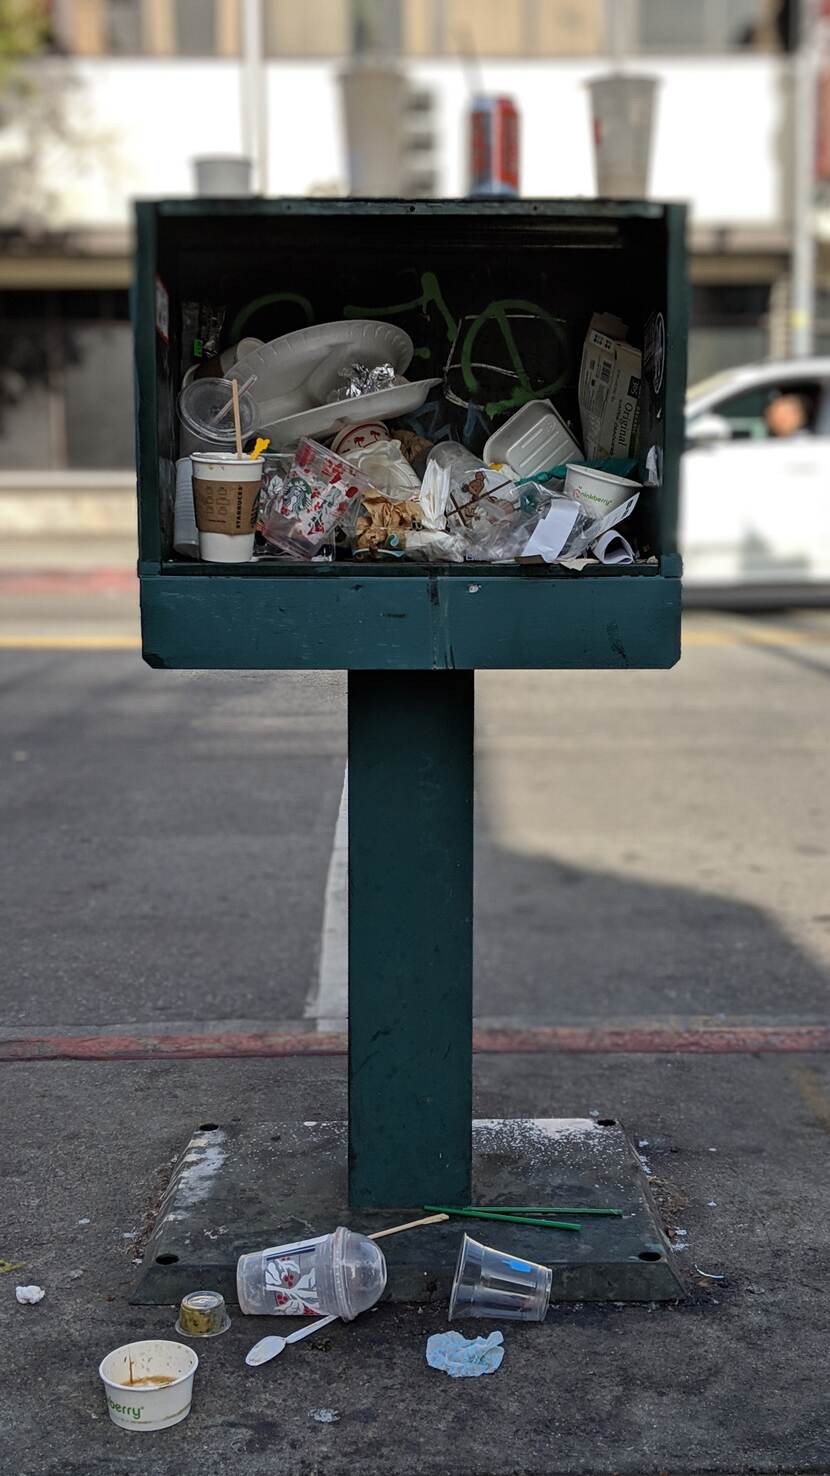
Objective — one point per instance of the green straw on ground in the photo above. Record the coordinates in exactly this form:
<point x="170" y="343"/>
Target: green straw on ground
<point x="476" y="1214"/>
<point x="545" y="1209"/>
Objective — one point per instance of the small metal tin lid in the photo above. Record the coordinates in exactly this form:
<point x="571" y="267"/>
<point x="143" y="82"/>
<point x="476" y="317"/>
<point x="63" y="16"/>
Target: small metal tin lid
<point x="202" y="1314"/>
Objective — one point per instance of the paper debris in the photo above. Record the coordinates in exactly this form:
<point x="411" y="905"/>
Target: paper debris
<point x="325" y="1416"/>
<point x="29" y="1295"/>
<point x="612" y="548"/>
<point x="553" y="531"/>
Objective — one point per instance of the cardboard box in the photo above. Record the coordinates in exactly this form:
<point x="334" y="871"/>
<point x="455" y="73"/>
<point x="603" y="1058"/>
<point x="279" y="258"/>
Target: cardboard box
<point x="609" y="389"/>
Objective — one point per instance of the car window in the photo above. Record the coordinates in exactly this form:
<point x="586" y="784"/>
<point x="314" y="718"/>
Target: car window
<point x="760" y="413"/>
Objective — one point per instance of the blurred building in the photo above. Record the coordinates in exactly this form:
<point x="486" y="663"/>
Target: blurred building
<point x="126" y="93"/>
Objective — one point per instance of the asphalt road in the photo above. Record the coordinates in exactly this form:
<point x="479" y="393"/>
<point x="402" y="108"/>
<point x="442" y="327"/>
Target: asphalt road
<point x="652" y="850"/>
<point x="650" y="845"/>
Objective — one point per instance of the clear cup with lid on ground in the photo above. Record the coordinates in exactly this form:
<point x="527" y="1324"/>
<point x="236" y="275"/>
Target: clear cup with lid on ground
<point x="340" y="1275"/>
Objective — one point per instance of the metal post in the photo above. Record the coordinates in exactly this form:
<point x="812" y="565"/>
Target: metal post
<point x="619" y="29"/>
<point x="805" y="117"/>
<point x="253" y="83"/>
<point x="410" y="937"/>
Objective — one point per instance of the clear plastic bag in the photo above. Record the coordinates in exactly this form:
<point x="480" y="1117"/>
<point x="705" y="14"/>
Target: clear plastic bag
<point x="320" y="493"/>
<point x="387" y="468"/>
<point x="470" y="480"/>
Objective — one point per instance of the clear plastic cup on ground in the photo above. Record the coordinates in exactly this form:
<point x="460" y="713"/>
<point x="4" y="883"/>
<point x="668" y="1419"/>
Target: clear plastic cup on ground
<point x="497" y="1285"/>
<point x="340" y="1275"/>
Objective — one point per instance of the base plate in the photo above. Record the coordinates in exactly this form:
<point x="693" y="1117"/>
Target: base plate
<point x="239" y="1188"/>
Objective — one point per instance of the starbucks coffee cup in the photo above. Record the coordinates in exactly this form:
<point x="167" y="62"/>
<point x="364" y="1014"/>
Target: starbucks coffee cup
<point x="226" y="500"/>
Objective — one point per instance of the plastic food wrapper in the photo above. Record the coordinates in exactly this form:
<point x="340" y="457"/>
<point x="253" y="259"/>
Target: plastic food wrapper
<point x="275" y="469"/>
<point x="498" y="532"/>
<point x="416" y="448"/>
<point x="387" y="469"/>
<point x="470" y="480"/>
<point x="433" y="542"/>
<point x="465" y="1358"/>
<point x="496" y="529"/>
<point x="320" y="492"/>
<point x="362" y="379"/>
<point x="383" y="524"/>
<point x="433" y="547"/>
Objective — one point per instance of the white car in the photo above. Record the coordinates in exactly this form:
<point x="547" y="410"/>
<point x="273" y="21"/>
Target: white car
<point x="755" y="482"/>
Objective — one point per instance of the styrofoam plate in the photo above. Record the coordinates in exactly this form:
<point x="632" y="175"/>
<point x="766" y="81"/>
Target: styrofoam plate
<point x="282" y="366"/>
<point x="324" y="420"/>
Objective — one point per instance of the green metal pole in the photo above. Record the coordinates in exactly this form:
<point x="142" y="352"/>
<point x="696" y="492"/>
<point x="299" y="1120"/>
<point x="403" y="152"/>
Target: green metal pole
<point x="410" y="936"/>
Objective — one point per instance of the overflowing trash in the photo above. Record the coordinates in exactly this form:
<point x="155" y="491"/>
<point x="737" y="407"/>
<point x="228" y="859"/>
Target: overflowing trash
<point x="362" y="462"/>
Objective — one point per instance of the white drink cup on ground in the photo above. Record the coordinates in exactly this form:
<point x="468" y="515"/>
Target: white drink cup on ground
<point x="225" y="500"/>
<point x="149" y="1385"/>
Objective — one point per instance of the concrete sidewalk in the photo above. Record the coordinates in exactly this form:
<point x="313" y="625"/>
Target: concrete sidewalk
<point x="733" y="1381"/>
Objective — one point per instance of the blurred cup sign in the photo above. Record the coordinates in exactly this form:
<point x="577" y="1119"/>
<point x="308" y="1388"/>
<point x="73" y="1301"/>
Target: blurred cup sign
<point x="226" y="500"/>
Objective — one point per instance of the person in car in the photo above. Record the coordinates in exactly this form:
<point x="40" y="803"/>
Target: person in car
<point x="788" y="414"/>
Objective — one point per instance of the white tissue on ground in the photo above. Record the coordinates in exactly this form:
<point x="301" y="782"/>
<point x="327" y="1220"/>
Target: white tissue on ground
<point x="464" y="1358"/>
<point x="29" y="1295"/>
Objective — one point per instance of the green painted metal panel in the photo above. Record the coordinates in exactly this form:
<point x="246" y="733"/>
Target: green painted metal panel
<point x="429" y="621"/>
<point x="677" y="338"/>
<point x="410" y="937"/>
<point x="146" y="386"/>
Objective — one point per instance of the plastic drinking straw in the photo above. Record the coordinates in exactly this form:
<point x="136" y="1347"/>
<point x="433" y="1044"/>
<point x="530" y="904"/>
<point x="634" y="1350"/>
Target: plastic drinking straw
<point x="475" y="1214"/>
<point x="546" y="1209"/>
<point x="228" y="405"/>
<point x="410" y="1225"/>
<point x="237" y="429"/>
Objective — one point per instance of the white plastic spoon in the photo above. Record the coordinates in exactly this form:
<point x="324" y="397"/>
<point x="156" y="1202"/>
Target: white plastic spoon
<point x="268" y="1348"/>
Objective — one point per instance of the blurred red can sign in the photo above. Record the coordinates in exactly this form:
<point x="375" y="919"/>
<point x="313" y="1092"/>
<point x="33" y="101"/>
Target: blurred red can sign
<point x="494" y="147"/>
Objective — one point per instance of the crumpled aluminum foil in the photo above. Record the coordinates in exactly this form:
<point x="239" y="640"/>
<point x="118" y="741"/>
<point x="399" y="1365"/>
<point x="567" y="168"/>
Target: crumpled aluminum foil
<point x="361" y="380"/>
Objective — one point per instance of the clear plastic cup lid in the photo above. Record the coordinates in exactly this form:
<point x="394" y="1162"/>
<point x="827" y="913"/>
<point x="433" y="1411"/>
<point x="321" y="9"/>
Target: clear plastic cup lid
<point x="206" y="409"/>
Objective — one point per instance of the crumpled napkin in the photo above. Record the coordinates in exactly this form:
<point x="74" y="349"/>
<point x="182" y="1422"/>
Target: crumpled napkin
<point x="29" y="1295"/>
<point x="465" y="1358"/>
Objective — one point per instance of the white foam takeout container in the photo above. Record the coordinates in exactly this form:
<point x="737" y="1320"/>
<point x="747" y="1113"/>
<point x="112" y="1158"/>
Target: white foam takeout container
<point x="533" y="440"/>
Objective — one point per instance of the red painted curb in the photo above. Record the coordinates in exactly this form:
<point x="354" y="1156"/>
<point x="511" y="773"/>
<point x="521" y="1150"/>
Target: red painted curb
<point x="67" y="581"/>
<point x="538" y="1040"/>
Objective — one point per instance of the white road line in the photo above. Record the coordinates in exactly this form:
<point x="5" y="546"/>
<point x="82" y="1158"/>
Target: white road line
<point x="328" y="998"/>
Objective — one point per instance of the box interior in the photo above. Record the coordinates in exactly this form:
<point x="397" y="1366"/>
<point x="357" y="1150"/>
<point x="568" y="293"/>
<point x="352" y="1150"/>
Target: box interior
<point x="502" y="292"/>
